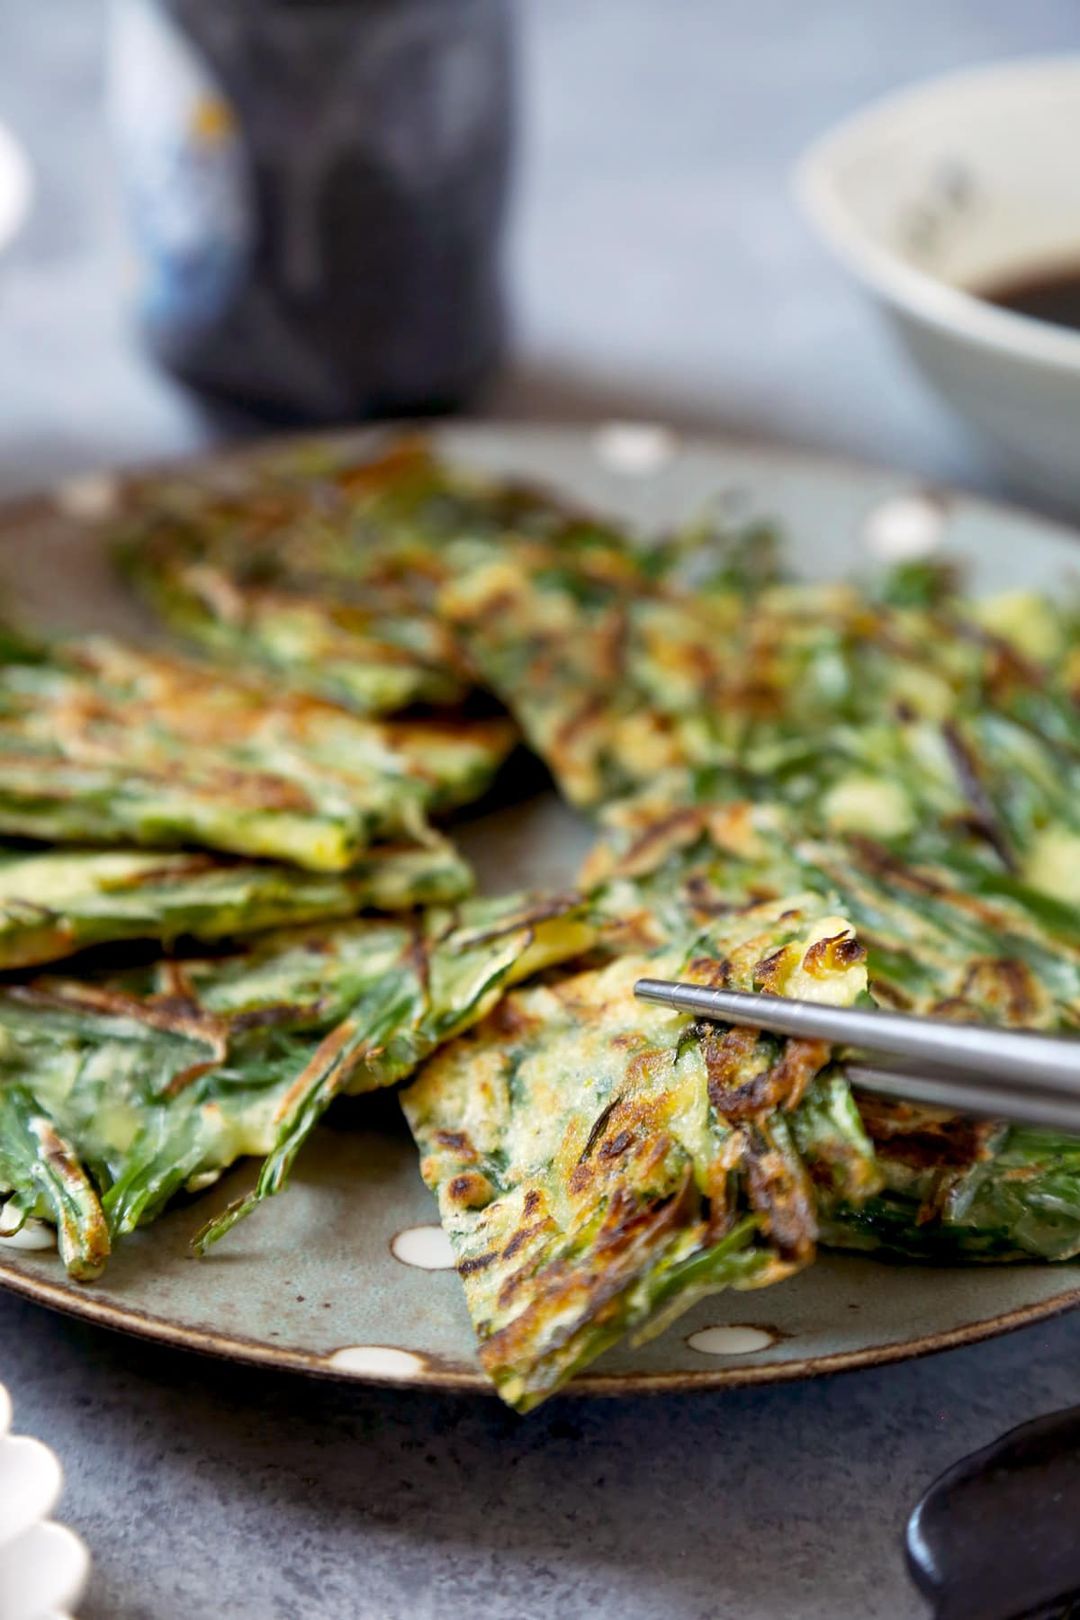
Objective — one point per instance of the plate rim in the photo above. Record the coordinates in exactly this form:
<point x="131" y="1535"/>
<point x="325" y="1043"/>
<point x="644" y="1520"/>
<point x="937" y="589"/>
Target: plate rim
<point x="1055" y="525"/>
<point x="438" y="1374"/>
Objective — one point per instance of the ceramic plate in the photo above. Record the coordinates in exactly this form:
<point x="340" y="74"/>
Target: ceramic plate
<point x="347" y="1273"/>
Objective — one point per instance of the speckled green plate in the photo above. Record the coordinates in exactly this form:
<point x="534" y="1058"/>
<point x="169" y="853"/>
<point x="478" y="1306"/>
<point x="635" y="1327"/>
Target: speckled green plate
<point x="346" y="1275"/>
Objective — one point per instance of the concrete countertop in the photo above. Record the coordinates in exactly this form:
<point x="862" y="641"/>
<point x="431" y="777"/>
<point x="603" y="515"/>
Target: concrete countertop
<point x="658" y="270"/>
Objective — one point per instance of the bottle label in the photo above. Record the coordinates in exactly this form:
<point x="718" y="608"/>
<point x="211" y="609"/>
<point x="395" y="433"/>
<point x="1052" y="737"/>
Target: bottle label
<point x="185" y="171"/>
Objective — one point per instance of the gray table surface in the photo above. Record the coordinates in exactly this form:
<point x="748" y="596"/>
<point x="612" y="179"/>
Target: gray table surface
<point x="658" y="269"/>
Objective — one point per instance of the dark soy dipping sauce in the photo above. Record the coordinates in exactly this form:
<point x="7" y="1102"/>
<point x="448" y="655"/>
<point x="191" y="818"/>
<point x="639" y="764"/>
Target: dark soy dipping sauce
<point x="1045" y="295"/>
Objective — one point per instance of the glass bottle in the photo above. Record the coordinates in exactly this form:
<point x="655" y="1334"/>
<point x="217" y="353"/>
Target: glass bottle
<point x="317" y="190"/>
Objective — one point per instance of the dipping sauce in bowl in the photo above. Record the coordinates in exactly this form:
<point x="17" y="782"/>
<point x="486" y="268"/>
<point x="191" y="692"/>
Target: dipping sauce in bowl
<point x="1044" y="295"/>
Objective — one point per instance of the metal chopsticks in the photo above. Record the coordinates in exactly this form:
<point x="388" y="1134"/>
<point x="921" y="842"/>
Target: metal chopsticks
<point x="973" y="1068"/>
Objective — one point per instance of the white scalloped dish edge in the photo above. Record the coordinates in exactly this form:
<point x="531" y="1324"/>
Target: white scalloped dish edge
<point x="15" y="186"/>
<point x="43" y="1565"/>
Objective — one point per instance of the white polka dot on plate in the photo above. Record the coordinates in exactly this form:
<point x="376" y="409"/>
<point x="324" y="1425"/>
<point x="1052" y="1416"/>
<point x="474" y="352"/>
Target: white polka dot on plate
<point x="34" y="1237"/>
<point x="89" y="497"/>
<point x="426" y="1247"/>
<point x="376" y="1361"/>
<point x="635" y="448"/>
<point x="903" y="529"/>
<point x="730" y="1341"/>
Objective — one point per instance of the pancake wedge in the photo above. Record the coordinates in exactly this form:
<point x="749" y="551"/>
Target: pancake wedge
<point x="600" y="1164"/>
<point x="56" y="902"/>
<point x="455" y="759"/>
<point x="620" y="666"/>
<point x="104" y="743"/>
<point x="948" y="934"/>
<point x="409" y="990"/>
<point x="116" y="1095"/>
<point x="312" y="568"/>
<point x="133" y="1097"/>
<point x="322" y="566"/>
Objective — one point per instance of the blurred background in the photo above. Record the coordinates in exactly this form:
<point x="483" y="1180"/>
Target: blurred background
<point x="655" y="263"/>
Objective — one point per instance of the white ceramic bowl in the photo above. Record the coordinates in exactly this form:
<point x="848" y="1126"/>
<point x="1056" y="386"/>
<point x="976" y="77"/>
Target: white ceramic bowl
<point x="43" y="1566"/>
<point x="949" y="187"/>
